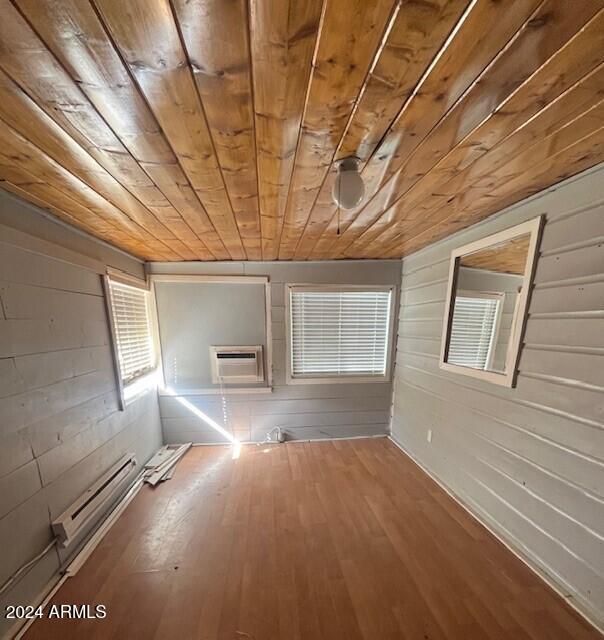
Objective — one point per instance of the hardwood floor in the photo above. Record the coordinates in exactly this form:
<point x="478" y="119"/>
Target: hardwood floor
<point x="345" y="539"/>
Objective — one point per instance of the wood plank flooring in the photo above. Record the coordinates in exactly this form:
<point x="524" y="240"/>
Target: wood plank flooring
<point x="345" y="539"/>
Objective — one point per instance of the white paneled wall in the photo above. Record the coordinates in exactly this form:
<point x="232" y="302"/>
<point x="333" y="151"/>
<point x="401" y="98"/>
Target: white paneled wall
<point x="60" y="427"/>
<point x="309" y="411"/>
<point x="530" y="460"/>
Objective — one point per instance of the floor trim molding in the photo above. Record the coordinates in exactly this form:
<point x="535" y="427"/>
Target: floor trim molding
<point x="297" y="440"/>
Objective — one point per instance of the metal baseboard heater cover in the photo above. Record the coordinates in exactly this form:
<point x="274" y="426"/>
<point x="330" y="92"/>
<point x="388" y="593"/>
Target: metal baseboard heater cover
<point x="88" y="505"/>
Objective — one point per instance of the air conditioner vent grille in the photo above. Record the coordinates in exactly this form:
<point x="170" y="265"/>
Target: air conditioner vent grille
<point x="242" y="365"/>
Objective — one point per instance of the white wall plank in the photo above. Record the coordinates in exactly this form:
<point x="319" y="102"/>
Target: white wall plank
<point x="25" y="267"/>
<point x="60" y="427"/>
<point x="304" y="411"/>
<point x="529" y="460"/>
<point x="18" y="486"/>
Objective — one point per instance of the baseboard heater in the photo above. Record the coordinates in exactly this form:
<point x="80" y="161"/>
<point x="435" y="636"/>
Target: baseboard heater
<point x="83" y="510"/>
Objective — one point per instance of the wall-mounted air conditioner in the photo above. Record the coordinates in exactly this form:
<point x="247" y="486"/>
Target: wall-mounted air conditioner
<point x="83" y="510"/>
<point x="237" y="364"/>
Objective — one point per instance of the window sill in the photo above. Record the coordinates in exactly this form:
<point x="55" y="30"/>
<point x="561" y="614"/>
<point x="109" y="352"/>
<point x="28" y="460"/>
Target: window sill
<point x="339" y="380"/>
<point x="214" y="391"/>
<point x="138" y="387"/>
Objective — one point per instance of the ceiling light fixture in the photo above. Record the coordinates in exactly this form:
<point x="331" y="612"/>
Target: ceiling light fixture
<point x="348" y="188"/>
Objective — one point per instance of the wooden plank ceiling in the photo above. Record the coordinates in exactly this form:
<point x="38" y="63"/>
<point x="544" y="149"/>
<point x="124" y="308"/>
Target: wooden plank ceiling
<point x="508" y="257"/>
<point x="208" y="129"/>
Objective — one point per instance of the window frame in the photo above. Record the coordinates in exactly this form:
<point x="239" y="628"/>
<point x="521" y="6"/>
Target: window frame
<point x="164" y="389"/>
<point x="133" y="388"/>
<point x="507" y="378"/>
<point x="342" y="378"/>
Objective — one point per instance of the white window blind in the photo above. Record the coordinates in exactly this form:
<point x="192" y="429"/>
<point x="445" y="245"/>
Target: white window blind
<point x="473" y="331"/>
<point x="132" y="333"/>
<point x="339" y="333"/>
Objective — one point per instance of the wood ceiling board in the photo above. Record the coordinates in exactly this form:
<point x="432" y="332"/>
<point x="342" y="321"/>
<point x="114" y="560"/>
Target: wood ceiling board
<point x="27" y="186"/>
<point x="31" y="65"/>
<point x="12" y="187"/>
<point x="215" y="34"/>
<point x="418" y="32"/>
<point x="514" y="181"/>
<point x="173" y="183"/>
<point x="485" y="34"/>
<point x="41" y="194"/>
<point x="508" y="257"/>
<point x="149" y="42"/>
<point x="569" y="65"/>
<point x="208" y="130"/>
<point x="283" y="35"/>
<point x="17" y="151"/>
<point x="72" y="30"/>
<point x="495" y="113"/>
<point x="484" y="31"/>
<point x="25" y="59"/>
<point x="25" y="117"/>
<point x="511" y="174"/>
<point x="350" y="36"/>
<point x="95" y="65"/>
<point x="583" y="155"/>
<point x="549" y="29"/>
<point x="437" y="208"/>
<point x="422" y="205"/>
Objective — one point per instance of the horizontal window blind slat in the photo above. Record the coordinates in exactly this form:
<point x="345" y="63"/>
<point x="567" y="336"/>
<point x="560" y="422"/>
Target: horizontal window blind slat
<point x="472" y="331"/>
<point x="131" y="322"/>
<point x="339" y="332"/>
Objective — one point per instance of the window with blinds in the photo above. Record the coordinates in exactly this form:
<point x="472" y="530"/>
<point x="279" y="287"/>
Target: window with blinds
<point x="473" y="330"/>
<point x="132" y="332"/>
<point x="337" y="333"/>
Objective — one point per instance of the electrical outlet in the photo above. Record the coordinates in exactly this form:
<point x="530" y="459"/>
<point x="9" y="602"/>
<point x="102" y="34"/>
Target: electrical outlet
<point x="429" y="435"/>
